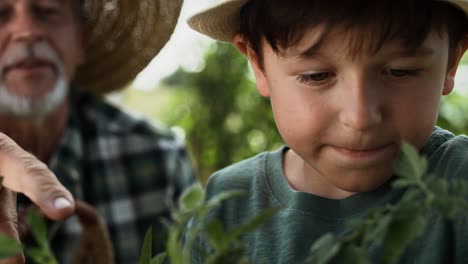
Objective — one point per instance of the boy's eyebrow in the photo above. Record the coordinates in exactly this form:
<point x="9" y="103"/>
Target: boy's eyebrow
<point x="311" y="51"/>
<point x="422" y="51"/>
<point x="414" y="52"/>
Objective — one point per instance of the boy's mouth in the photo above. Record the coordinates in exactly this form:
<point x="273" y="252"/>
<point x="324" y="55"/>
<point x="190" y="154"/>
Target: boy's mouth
<point x="365" y="154"/>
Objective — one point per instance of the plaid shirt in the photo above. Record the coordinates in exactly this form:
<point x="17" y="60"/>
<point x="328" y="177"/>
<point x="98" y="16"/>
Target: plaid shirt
<point x="124" y="167"/>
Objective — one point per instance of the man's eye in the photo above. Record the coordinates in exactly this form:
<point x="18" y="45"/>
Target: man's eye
<point x="46" y="12"/>
<point x="315" y="77"/>
<point x="5" y="12"/>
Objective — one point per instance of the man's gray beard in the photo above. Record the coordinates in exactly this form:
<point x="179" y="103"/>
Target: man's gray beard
<point x="24" y="107"/>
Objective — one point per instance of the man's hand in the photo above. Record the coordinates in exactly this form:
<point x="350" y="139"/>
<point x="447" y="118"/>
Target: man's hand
<point x="23" y="173"/>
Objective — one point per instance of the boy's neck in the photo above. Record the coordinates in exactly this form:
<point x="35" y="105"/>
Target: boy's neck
<point x="303" y="178"/>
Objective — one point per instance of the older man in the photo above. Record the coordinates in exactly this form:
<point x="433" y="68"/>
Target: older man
<point x="55" y="57"/>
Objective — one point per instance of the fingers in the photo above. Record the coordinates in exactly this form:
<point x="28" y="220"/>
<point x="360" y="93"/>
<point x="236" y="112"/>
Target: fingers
<point x="8" y="222"/>
<point x="23" y="173"/>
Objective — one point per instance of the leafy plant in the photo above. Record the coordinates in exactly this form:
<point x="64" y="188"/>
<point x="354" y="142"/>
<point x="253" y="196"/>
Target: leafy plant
<point x="8" y="247"/>
<point x="193" y="211"/>
<point x="42" y="254"/>
<point x="394" y="227"/>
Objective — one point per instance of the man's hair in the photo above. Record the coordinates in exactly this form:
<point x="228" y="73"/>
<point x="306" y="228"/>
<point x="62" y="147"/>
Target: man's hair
<point x="283" y="23"/>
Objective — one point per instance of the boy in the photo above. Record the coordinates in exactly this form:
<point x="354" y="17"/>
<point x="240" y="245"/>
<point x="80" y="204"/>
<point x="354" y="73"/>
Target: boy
<point x="348" y="82"/>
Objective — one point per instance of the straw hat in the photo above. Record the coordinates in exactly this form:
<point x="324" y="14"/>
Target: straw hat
<point x="124" y="35"/>
<point x="221" y="21"/>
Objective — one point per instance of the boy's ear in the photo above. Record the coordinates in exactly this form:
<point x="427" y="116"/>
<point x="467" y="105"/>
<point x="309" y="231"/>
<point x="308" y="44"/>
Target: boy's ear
<point x="243" y="47"/>
<point x="452" y="68"/>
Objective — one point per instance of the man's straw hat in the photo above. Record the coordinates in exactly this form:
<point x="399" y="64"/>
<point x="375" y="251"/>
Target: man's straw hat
<point x="123" y="37"/>
<point x="221" y="21"/>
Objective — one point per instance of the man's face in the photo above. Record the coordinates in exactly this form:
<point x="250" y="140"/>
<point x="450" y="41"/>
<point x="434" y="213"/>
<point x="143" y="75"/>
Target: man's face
<point x="41" y="45"/>
<point x="345" y="116"/>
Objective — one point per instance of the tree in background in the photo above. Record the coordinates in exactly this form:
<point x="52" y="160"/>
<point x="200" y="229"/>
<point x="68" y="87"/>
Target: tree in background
<point x="224" y="117"/>
<point x="454" y="113"/>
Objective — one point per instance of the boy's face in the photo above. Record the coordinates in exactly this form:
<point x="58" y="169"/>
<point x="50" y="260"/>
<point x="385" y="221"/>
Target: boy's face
<point x="343" y="116"/>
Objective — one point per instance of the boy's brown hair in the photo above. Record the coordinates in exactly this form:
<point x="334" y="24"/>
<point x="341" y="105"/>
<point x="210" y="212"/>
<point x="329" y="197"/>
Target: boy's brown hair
<point x="283" y="23"/>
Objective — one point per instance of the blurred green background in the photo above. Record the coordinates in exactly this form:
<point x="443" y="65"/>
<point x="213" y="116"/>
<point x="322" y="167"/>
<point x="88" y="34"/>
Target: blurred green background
<point x="226" y="120"/>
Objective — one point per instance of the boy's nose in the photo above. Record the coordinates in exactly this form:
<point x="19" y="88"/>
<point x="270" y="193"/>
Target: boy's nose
<point x="361" y="106"/>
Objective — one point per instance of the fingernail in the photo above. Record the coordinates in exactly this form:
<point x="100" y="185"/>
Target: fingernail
<point x="61" y="203"/>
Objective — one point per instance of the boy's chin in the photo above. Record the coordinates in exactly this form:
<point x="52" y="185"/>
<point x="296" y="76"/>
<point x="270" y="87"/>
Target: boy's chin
<point x="363" y="182"/>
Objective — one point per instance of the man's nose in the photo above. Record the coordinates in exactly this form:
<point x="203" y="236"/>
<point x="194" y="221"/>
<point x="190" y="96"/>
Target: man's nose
<point x="25" y="26"/>
<point x="362" y="106"/>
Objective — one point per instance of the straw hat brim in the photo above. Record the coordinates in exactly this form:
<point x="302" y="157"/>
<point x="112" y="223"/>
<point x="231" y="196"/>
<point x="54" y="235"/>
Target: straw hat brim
<point x="463" y="4"/>
<point x="123" y="37"/>
<point x="221" y="21"/>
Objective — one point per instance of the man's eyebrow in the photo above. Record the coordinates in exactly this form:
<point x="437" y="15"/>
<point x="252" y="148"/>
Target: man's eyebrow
<point x="60" y="2"/>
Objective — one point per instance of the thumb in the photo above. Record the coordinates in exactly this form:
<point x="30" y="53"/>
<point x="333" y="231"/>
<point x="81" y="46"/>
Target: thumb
<point x="24" y="173"/>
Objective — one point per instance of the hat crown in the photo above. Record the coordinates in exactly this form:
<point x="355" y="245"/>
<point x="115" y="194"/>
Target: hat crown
<point x="123" y="37"/>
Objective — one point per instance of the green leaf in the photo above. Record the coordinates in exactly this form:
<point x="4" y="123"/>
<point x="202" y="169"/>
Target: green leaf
<point x="324" y="249"/>
<point x="354" y="253"/>
<point x="401" y="232"/>
<point x="9" y="247"/>
<point x="411" y="195"/>
<point x="403" y="182"/>
<point x="216" y="201"/>
<point x="146" y="250"/>
<point x="229" y="255"/>
<point x="215" y="233"/>
<point x="159" y="259"/>
<point x="377" y="233"/>
<point x="410" y="164"/>
<point x="251" y="225"/>
<point x="174" y="248"/>
<point x="38" y="229"/>
<point x="192" y="198"/>
<point x="39" y="255"/>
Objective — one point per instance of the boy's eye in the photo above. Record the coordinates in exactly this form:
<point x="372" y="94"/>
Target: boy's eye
<point x="315" y="77"/>
<point x="401" y="72"/>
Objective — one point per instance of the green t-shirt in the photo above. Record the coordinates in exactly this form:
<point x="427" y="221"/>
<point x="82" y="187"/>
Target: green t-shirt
<point x="302" y="217"/>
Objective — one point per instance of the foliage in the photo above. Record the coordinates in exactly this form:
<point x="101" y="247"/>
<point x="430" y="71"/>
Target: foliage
<point x="453" y="113"/>
<point x="42" y="254"/>
<point x="225" y="119"/>
<point x="394" y="227"/>
<point x="193" y="210"/>
<point x="8" y="247"/>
